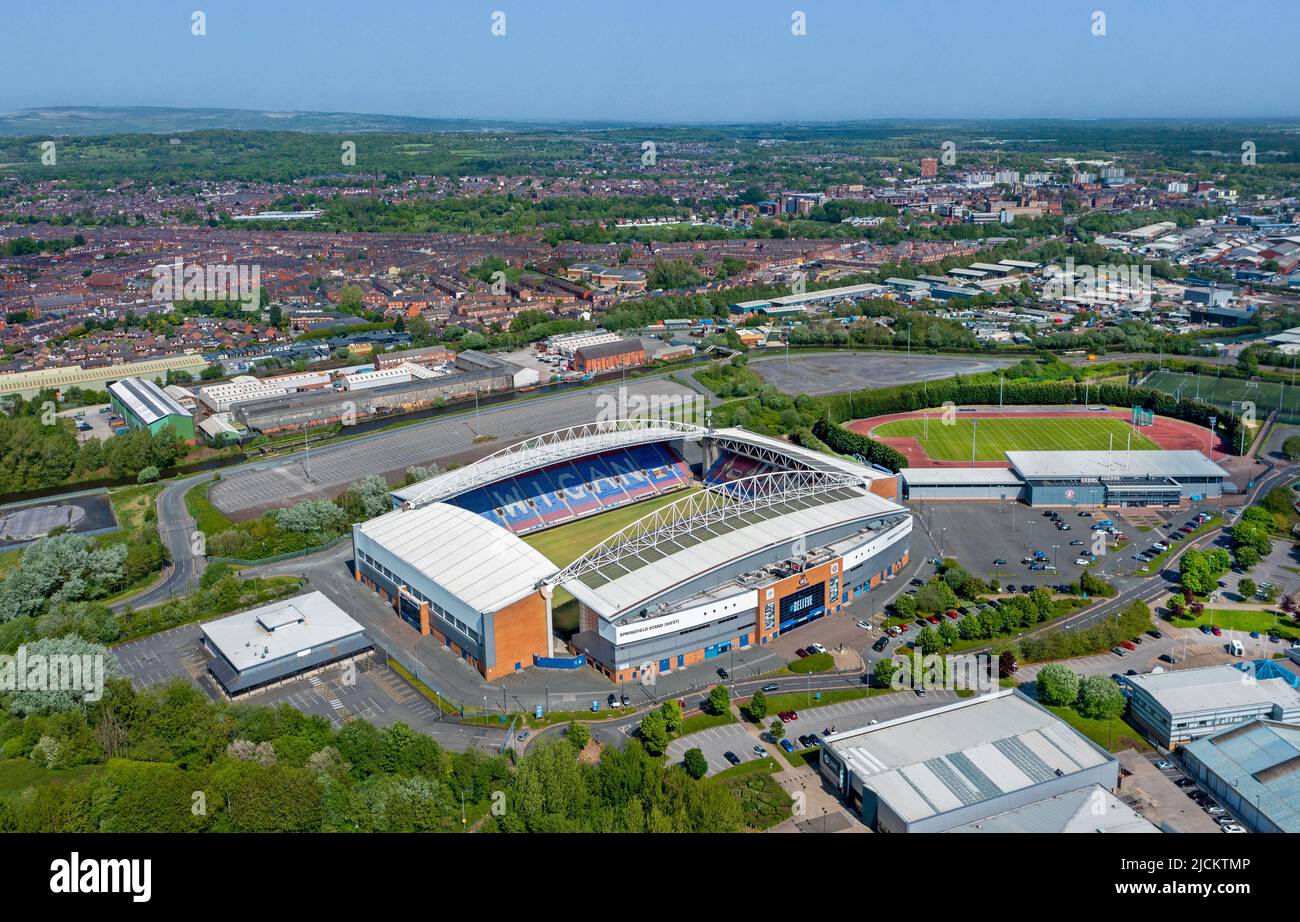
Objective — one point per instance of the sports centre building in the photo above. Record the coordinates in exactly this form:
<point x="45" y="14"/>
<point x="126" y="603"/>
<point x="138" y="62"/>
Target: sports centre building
<point x="1076" y="478"/>
<point x="766" y="536"/>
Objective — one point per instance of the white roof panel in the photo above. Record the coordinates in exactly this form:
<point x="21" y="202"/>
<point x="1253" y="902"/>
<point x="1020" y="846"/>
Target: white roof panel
<point x="478" y="561"/>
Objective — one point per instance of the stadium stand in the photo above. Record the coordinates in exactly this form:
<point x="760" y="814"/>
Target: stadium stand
<point x="731" y="467"/>
<point x="574" y="489"/>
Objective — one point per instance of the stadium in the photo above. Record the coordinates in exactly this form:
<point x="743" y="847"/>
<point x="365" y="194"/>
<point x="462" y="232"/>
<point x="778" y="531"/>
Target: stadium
<point x="660" y="544"/>
<point x="1053" y="456"/>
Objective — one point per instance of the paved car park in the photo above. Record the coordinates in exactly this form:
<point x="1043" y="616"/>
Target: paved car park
<point x="715" y="741"/>
<point x="838" y="372"/>
<point x="274" y="483"/>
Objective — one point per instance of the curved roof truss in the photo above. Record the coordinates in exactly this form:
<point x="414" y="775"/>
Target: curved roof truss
<point x="701" y="509"/>
<point x="553" y="447"/>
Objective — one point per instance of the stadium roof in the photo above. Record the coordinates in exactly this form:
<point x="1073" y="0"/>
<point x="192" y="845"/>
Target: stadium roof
<point x="540" y="451"/>
<point x="1261" y="759"/>
<point x="964" y="753"/>
<point x="705" y="531"/>
<point x="484" y="565"/>
<point x="281" y="629"/>
<point x="1073" y="811"/>
<point x="1213" y="688"/>
<point x="972" y="476"/>
<point x="807" y="457"/>
<point x="149" y="402"/>
<point x="1035" y="465"/>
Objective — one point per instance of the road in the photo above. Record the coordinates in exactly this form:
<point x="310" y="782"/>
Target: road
<point x="177" y="530"/>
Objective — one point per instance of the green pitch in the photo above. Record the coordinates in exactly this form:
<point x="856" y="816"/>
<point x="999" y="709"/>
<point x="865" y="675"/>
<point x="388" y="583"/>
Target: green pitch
<point x="994" y="437"/>
<point x="564" y="544"/>
<point x="1223" y="392"/>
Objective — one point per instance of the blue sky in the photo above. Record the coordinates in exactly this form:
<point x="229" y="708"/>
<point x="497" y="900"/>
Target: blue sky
<point x="665" y="60"/>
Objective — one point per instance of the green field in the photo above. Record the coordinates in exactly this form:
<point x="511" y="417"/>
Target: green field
<point x="564" y="544"/>
<point x="1223" y="392"/>
<point x="994" y="437"/>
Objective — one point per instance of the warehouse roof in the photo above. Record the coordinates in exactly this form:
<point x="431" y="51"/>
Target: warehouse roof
<point x="1033" y="465"/>
<point x="1213" y="688"/>
<point x="952" y="476"/>
<point x="149" y="402"/>
<point x="1088" y="809"/>
<point x="601" y="350"/>
<point x="1261" y="759"/>
<point x="484" y="565"/>
<point x="964" y="753"/>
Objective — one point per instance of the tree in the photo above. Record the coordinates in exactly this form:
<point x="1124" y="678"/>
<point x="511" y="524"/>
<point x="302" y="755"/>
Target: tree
<point x="578" y="735"/>
<point x="1100" y="698"/>
<point x="672" y="714"/>
<point x="777" y="729"/>
<point x="1006" y="664"/>
<point x="653" y="733"/>
<point x="756" y="708"/>
<point x="719" y="700"/>
<point x="905" y="605"/>
<point x="883" y="672"/>
<point x="1246" y="586"/>
<point x="928" y="641"/>
<point x="147" y="474"/>
<point x="1057" y="684"/>
<point x="695" y="764"/>
<point x="1291" y="448"/>
<point x="935" y="596"/>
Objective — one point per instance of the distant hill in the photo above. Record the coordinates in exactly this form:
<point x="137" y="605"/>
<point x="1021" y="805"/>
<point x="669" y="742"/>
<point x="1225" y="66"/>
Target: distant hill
<point x="105" y="120"/>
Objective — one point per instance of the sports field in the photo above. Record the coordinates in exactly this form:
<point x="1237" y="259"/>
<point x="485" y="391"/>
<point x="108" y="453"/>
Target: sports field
<point x="1223" y="392"/>
<point x="564" y="544"/>
<point x="995" y="436"/>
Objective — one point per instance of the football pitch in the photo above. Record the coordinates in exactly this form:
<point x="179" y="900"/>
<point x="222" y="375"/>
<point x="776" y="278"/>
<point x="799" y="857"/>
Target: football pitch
<point x="994" y="437"/>
<point x="564" y="544"/>
<point x="1224" y="392"/>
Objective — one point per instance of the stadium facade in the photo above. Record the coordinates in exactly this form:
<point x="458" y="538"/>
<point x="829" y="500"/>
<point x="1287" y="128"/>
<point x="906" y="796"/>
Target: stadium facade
<point x="1077" y="478"/>
<point x="765" y="537"/>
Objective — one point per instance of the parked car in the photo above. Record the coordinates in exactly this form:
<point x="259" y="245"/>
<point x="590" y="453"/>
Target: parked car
<point x="1169" y="658"/>
<point x="1214" y="629"/>
<point x="1119" y="651"/>
<point x="1085" y="515"/>
<point x="880" y="644"/>
<point x="864" y="625"/>
<point x="731" y="757"/>
<point x="1154" y="633"/>
<point x="760" y="751"/>
<point x="1214" y="810"/>
<point x="817" y="648"/>
<point x="1082" y="561"/>
<point x="801" y="653"/>
<point x="1233" y="827"/>
<point x="787" y="745"/>
<point x="1164" y="764"/>
<point x="999" y="562"/>
<point x="952" y="614"/>
<point x="1185" y="782"/>
<point x="723" y="674"/>
<point x="1127" y="645"/>
<point x="1077" y="542"/>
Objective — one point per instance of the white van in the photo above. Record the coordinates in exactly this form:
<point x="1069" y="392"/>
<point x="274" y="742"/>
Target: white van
<point x="1235" y="648"/>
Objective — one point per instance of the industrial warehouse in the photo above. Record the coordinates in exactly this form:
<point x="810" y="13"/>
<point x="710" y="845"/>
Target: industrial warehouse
<point x="767" y="536"/>
<point x="997" y="762"/>
<point x="1077" y="478"/>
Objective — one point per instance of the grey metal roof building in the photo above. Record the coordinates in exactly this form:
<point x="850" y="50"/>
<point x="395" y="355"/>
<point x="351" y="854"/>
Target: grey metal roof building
<point x="921" y="483"/>
<point x="1118" y="478"/>
<point x="1186" y="704"/>
<point x="1254" y="771"/>
<point x="962" y="763"/>
<point x="278" y="641"/>
<point x="1093" y="809"/>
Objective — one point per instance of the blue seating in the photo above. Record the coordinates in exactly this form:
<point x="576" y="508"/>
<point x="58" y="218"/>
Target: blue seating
<point x="575" y="489"/>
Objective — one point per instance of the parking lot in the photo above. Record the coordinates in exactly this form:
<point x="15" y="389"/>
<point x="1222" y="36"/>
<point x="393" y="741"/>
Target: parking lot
<point x="837" y="372"/>
<point x="95" y="418"/>
<point x="714" y="742"/>
<point x="1151" y="791"/>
